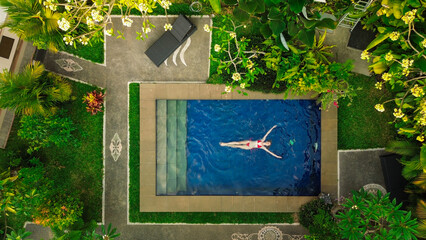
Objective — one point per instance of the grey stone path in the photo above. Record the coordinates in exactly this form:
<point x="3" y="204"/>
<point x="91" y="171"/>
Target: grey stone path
<point x="126" y="62"/>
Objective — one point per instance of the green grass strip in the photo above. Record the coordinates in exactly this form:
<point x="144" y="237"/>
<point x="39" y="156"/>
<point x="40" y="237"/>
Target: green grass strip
<point x="178" y="217"/>
<point x="360" y="126"/>
<point x="93" y="52"/>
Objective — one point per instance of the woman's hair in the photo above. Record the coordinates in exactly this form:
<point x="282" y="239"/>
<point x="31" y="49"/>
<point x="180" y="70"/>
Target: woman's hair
<point x="270" y="143"/>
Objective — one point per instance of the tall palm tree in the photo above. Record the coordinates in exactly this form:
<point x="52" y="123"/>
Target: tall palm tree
<point x="32" y="91"/>
<point x="33" y="22"/>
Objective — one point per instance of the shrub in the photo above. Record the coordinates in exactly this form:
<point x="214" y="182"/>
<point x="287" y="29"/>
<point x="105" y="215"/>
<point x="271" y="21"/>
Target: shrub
<point x="94" y="101"/>
<point x="323" y="227"/>
<point x="42" y="131"/>
<point x="310" y="209"/>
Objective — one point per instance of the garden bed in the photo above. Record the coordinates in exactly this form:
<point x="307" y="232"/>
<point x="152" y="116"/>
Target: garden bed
<point x="70" y="168"/>
<point x="360" y="126"/>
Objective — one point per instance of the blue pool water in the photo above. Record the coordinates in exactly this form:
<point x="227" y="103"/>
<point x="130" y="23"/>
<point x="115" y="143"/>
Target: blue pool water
<point x="216" y="170"/>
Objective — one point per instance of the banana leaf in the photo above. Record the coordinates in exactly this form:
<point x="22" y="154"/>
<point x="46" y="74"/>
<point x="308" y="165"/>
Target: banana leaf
<point x="215" y="5"/>
<point x="378" y="40"/>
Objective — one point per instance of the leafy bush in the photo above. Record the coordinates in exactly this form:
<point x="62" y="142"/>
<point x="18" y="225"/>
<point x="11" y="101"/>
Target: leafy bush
<point x="323" y="227"/>
<point x="44" y="131"/>
<point x="375" y="216"/>
<point x="310" y="209"/>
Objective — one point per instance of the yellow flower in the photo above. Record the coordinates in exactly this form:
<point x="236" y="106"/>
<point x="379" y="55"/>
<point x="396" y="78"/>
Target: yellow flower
<point x="217" y="47"/>
<point x="249" y="64"/>
<point x="406" y="63"/>
<point x="389" y="57"/>
<point x="365" y="55"/>
<point x="228" y="89"/>
<point x="409" y="16"/>
<point x="420" y="138"/>
<point x="405" y="72"/>
<point x="232" y="35"/>
<point x="207" y="28"/>
<point x="380" y="12"/>
<point x="417" y="91"/>
<point x="379" y="107"/>
<point x="236" y="76"/>
<point x="405" y="118"/>
<point x="422" y="120"/>
<point x="424" y="43"/>
<point x="243" y="85"/>
<point x="386" y="76"/>
<point x="398" y="113"/>
<point x="379" y="85"/>
<point x="394" y="36"/>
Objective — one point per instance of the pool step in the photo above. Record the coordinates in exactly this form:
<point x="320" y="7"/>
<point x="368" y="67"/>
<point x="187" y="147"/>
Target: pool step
<point x="161" y="147"/>
<point x="171" y="147"/>
<point x="181" y="160"/>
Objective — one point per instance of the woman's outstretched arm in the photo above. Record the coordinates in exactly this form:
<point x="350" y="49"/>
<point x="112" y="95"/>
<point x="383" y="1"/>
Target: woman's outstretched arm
<point x="273" y="154"/>
<point x="264" y="138"/>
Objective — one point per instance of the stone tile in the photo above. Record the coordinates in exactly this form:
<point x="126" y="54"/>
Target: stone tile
<point x="178" y="204"/>
<point x="148" y="156"/>
<point x="148" y="108"/>
<point x="243" y="204"/>
<point x="226" y="204"/>
<point x="160" y="92"/>
<point x="147" y="145"/>
<point x="193" y="91"/>
<point x="176" y="91"/>
<point x="147" y="86"/>
<point x="147" y="190"/>
<point x="147" y="93"/>
<point x="265" y="204"/>
<point x="294" y="203"/>
<point x="198" y="204"/>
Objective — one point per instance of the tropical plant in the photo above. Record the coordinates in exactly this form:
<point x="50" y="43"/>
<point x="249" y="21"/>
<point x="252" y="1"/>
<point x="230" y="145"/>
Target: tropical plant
<point x="33" y="91"/>
<point x="285" y="21"/>
<point x="31" y="21"/>
<point x="310" y="209"/>
<point x="369" y="216"/>
<point x="323" y="227"/>
<point x="59" y="211"/>
<point x="94" y="101"/>
<point x="398" y="54"/>
<point x="20" y="235"/>
<point x="43" y="132"/>
<point x="240" y="59"/>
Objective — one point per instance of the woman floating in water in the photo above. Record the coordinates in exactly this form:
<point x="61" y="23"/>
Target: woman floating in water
<point x="248" y="144"/>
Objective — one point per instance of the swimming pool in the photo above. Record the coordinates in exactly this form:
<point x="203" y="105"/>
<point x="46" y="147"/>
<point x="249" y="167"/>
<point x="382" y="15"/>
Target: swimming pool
<point x="190" y="160"/>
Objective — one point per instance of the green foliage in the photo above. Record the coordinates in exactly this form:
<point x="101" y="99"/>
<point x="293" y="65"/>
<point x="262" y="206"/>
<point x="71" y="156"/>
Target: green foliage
<point x="94" y="51"/>
<point x="33" y="91"/>
<point x="33" y="22"/>
<point x="323" y="227"/>
<point x="41" y="132"/>
<point x="21" y="234"/>
<point x="60" y="211"/>
<point x="375" y="216"/>
<point x="309" y="210"/>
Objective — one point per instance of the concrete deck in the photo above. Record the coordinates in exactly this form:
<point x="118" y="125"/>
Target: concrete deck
<point x="149" y="202"/>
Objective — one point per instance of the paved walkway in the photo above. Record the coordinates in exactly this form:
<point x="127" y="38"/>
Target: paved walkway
<point x="126" y="62"/>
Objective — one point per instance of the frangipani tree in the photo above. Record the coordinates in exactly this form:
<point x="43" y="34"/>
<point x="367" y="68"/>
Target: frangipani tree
<point x="83" y="20"/>
<point x="399" y="57"/>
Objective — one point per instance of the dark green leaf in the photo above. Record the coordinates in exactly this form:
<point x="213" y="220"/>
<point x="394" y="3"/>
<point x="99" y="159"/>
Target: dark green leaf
<point x="241" y="15"/>
<point x="414" y="3"/>
<point x="266" y="31"/>
<point x="292" y="29"/>
<point x="308" y="23"/>
<point x="307" y="37"/>
<point x="260" y="6"/>
<point x="215" y="5"/>
<point x="275" y="14"/>
<point x="421" y="63"/>
<point x="277" y="26"/>
<point x="326" y="23"/>
<point x="296" y="5"/>
<point x="248" y="5"/>
<point x="230" y="2"/>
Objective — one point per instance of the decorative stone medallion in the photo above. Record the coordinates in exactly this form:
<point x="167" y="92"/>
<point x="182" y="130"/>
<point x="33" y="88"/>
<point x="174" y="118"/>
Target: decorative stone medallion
<point x="115" y="147"/>
<point x="270" y="233"/>
<point x="69" y="65"/>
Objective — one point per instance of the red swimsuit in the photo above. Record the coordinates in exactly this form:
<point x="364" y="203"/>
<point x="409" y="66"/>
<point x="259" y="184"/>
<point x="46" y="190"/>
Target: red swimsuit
<point x="258" y="145"/>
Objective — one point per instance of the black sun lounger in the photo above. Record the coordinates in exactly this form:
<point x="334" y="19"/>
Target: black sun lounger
<point x="171" y="40"/>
